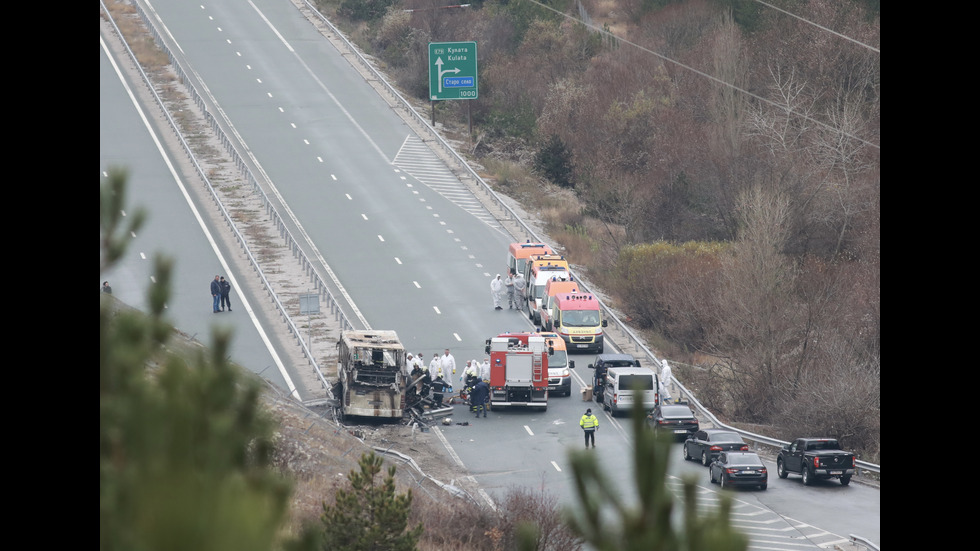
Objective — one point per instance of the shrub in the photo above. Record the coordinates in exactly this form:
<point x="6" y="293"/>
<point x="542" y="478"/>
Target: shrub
<point x="370" y="516"/>
<point x="554" y="162"/>
<point x="363" y="10"/>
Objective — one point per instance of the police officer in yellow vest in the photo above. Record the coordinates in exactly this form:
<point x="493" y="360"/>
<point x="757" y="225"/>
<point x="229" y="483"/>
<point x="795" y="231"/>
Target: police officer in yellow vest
<point x="589" y="424"/>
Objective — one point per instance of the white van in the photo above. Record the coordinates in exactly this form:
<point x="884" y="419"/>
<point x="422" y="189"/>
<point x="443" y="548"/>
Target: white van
<point x="626" y="385"/>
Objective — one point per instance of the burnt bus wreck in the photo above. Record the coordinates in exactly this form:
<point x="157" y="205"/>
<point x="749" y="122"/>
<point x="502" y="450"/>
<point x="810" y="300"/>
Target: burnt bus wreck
<point x="372" y="372"/>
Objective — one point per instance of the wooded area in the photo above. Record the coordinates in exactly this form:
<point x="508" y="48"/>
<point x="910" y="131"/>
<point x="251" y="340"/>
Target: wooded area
<point x="728" y="151"/>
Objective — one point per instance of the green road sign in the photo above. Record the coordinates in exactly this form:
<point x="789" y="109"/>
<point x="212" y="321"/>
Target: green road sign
<point x="452" y="70"/>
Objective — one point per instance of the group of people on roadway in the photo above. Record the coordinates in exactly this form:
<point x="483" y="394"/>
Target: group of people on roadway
<point x="438" y="377"/>
<point x="513" y="288"/>
<point x="475" y="382"/>
<point x="220" y="291"/>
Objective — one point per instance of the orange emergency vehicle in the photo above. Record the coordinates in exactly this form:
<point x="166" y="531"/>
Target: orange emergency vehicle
<point x="519" y="253"/>
<point x="559" y="376"/>
<point x="540" y="269"/>
<point x="552" y="289"/>
<point x="577" y="318"/>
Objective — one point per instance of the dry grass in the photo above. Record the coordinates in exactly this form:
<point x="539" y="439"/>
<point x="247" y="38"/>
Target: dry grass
<point x="146" y="50"/>
<point x="318" y="455"/>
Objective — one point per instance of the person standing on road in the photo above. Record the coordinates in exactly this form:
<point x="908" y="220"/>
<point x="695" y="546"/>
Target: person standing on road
<point x="665" y="380"/>
<point x="434" y="366"/>
<point x="509" y="286"/>
<point x="413" y="394"/>
<point x="477" y="370"/>
<point x="496" y="287"/>
<point x="410" y="362"/>
<point x="589" y="424"/>
<point x="485" y="370"/>
<point x="215" y="294"/>
<point x="520" y="290"/>
<point x="470" y="375"/>
<point x="448" y="363"/>
<point x="415" y="362"/>
<point x="225" y="292"/>
<point x="439" y="390"/>
<point x="105" y="288"/>
<point x="417" y="371"/>
<point x="479" y="397"/>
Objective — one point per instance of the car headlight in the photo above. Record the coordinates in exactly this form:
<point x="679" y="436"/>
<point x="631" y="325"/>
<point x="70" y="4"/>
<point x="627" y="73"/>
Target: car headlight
<point x="565" y="372"/>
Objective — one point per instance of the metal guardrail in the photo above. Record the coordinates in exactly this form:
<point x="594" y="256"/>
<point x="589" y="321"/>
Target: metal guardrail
<point x="435" y="138"/>
<point x="864" y="541"/>
<point x="529" y="233"/>
<point x="751" y="436"/>
<point x="230" y="147"/>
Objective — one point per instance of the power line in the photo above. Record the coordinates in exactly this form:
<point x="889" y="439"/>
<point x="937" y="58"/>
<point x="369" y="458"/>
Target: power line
<point x="707" y="76"/>
<point x="821" y="27"/>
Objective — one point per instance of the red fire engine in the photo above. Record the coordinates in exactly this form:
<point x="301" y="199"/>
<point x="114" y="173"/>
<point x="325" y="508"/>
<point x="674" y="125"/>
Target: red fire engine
<point x="518" y="370"/>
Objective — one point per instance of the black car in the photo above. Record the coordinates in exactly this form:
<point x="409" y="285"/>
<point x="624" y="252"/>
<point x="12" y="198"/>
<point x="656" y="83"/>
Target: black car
<point x="678" y="419"/>
<point x="739" y="469"/>
<point x="707" y="444"/>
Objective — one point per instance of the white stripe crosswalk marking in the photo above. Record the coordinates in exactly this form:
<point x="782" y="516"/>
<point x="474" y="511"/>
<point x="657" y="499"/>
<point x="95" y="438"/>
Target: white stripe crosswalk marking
<point x="416" y="159"/>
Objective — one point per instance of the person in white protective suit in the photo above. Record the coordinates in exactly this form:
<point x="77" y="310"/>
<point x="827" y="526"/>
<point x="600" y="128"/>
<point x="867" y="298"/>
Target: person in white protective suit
<point x="520" y="290"/>
<point x="434" y="366"/>
<point x="485" y="369"/>
<point x="496" y="290"/>
<point x="665" y="380"/>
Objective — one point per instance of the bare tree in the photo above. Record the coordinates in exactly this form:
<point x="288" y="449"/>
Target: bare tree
<point x="842" y="399"/>
<point x="843" y="159"/>
<point x="757" y="321"/>
<point x="782" y="124"/>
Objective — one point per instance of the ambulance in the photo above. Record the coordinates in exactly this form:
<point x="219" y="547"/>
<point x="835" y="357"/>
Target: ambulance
<point x="577" y="318"/>
<point x="519" y="253"/>
<point x="540" y="269"/>
<point x="552" y="289"/>
<point x="559" y="376"/>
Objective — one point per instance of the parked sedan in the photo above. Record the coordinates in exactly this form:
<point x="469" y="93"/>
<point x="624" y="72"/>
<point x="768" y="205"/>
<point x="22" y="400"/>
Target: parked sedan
<point x="707" y="444"/>
<point x="739" y="469"/>
<point x="678" y="419"/>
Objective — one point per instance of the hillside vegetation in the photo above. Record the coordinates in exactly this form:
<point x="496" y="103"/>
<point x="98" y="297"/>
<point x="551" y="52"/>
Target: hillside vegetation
<point x="722" y="162"/>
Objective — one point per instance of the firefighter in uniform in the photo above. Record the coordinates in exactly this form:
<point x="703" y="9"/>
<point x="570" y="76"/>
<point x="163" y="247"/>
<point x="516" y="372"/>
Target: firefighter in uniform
<point x="589" y="424"/>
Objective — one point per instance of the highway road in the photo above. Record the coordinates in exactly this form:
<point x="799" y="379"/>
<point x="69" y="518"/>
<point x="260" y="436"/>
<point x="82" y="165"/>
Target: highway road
<point x="129" y="138"/>
<point x="416" y="252"/>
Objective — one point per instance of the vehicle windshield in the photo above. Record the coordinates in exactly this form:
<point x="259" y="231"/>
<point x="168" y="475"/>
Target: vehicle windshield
<point x="725" y="437"/>
<point x="745" y="460"/>
<point x="675" y="412"/>
<point x="558" y="360"/>
<point x="636" y="382"/>
<point x="619" y="363"/>
<point x="580" y="318"/>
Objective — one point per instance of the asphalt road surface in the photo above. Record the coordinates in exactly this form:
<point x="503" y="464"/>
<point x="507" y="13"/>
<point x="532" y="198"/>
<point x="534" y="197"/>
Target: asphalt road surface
<point x="416" y="253"/>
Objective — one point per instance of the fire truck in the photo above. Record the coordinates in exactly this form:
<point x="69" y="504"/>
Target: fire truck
<point x="518" y="370"/>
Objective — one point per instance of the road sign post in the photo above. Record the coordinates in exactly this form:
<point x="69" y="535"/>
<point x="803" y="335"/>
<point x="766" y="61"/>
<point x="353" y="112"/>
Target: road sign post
<point x="453" y="71"/>
<point x="309" y="304"/>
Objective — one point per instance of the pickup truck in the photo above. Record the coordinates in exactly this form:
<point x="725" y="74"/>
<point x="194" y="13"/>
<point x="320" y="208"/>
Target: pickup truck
<point x="816" y="458"/>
